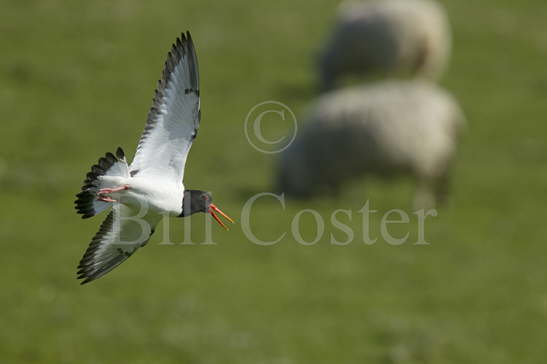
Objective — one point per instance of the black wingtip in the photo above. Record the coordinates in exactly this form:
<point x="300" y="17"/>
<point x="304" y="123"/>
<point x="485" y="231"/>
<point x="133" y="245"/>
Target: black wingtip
<point x="120" y="153"/>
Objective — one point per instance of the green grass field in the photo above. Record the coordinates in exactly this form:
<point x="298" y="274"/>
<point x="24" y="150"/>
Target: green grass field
<point x="76" y="81"/>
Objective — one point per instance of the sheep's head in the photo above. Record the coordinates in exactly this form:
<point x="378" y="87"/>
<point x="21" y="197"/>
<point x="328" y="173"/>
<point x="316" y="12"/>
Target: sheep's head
<point x="292" y="176"/>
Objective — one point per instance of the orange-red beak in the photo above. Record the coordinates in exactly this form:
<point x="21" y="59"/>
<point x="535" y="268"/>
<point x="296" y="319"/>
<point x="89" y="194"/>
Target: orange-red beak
<point x="212" y="209"/>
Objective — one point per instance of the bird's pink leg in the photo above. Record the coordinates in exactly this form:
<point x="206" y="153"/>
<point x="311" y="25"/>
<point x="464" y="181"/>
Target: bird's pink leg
<point x="105" y="199"/>
<point x="104" y="191"/>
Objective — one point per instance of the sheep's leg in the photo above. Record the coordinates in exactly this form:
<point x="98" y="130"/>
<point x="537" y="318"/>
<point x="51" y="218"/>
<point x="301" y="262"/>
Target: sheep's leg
<point x="424" y="197"/>
<point x="442" y="188"/>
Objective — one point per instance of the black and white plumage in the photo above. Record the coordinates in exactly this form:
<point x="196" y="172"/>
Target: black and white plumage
<point x="151" y="187"/>
<point x="87" y="203"/>
<point x="166" y="141"/>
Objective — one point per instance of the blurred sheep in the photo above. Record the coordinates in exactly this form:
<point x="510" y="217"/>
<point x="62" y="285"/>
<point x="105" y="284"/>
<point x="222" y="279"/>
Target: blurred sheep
<point x="389" y="37"/>
<point x="384" y="129"/>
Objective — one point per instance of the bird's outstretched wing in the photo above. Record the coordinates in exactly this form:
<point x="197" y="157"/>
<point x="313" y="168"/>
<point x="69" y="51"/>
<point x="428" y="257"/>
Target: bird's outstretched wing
<point x="173" y="120"/>
<point x="120" y="235"/>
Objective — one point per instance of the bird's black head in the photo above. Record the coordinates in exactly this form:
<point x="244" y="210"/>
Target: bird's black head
<point x="200" y="201"/>
<point x="195" y="201"/>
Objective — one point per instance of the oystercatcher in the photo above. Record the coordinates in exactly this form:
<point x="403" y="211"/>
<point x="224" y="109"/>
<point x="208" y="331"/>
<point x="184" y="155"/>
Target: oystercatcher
<point x="151" y="187"/>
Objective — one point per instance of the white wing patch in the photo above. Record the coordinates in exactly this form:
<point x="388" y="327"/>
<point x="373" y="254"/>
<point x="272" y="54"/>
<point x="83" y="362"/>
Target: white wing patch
<point x="173" y="120"/>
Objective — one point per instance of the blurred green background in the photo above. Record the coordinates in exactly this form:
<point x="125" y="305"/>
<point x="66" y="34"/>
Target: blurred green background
<point x="76" y="81"/>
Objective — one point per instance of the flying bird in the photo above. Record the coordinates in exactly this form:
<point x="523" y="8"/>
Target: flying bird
<point x="141" y="193"/>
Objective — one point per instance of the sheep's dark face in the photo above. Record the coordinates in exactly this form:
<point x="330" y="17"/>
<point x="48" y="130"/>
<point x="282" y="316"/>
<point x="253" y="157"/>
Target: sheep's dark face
<point x="293" y="179"/>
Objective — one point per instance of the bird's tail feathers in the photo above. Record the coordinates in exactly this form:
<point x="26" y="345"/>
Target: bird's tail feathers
<point x="110" y="165"/>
